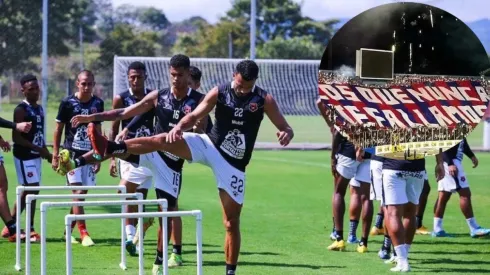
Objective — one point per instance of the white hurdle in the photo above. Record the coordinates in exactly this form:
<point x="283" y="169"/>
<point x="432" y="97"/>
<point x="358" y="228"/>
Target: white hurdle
<point x="196" y="213"/>
<point x="46" y="205"/>
<point x="30" y="198"/>
<point x="18" y="193"/>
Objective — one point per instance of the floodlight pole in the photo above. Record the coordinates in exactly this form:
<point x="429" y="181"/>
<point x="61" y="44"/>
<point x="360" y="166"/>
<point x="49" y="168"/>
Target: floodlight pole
<point x="44" y="58"/>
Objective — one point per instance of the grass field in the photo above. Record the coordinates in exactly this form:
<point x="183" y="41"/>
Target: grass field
<point x="285" y="224"/>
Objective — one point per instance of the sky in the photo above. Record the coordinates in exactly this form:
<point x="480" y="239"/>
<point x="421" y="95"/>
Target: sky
<point x="466" y="10"/>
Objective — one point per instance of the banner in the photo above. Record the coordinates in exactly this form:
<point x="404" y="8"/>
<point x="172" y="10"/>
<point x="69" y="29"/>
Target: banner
<point x="406" y="110"/>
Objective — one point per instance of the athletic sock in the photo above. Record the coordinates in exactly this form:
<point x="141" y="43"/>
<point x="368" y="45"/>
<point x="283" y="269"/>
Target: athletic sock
<point x="353" y="227"/>
<point x="130" y="231"/>
<point x="159" y="258"/>
<point x="177" y="249"/>
<point x="419" y="221"/>
<point x="80" y="161"/>
<point x="340" y="235"/>
<point x="83" y="229"/>
<point x="364" y="241"/>
<point x="230" y="269"/>
<point x="379" y="220"/>
<point x="386" y="243"/>
<point x="472" y="224"/>
<point x="11" y="226"/>
<point x="437" y="224"/>
<point x="401" y="252"/>
<point x="120" y="147"/>
<point x="333" y="224"/>
<point x="407" y="247"/>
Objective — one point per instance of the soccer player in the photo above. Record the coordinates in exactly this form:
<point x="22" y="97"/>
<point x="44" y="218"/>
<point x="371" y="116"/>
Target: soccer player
<point x="455" y="181"/>
<point x="402" y="182"/>
<point x="83" y="102"/>
<point x="227" y="150"/>
<point x="10" y="226"/>
<point x="134" y="176"/>
<point x="29" y="148"/>
<point x="195" y="83"/>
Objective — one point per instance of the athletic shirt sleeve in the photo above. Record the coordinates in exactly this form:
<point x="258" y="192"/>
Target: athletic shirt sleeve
<point x="467" y="150"/>
<point x="63" y="115"/>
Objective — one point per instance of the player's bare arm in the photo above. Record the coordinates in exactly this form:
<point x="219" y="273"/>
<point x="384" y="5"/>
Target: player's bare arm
<point x="285" y="133"/>
<point x="187" y="122"/>
<point x="19" y="114"/>
<point x="116" y="104"/>
<point x="58" y="131"/>
<point x="146" y="104"/>
<point x="325" y="112"/>
<point x="202" y="124"/>
<point x="439" y="167"/>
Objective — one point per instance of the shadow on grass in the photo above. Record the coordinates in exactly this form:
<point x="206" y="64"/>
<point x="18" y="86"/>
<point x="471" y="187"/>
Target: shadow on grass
<point x="276" y="264"/>
<point x="453" y="270"/>
<point x="451" y="261"/>
<point x="439" y="252"/>
<point x="242" y="253"/>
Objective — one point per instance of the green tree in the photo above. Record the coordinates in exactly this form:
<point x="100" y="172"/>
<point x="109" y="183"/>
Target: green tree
<point x="294" y="48"/>
<point x="20" y="30"/>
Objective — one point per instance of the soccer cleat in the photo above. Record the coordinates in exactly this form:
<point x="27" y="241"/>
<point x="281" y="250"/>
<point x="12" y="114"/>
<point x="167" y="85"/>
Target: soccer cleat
<point x="440" y="234"/>
<point x="422" y="231"/>
<point x="5" y="232"/>
<point x="377" y="231"/>
<point x="384" y="254"/>
<point x="175" y="260"/>
<point x="98" y="141"/>
<point x="392" y="260"/>
<point x="400" y="267"/>
<point x="352" y="239"/>
<point x="333" y="236"/>
<point x="337" y="246"/>
<point x="362" y="248"/>
<point x="479" y="232"/>
<point x="87" y="241"/>
<point x="157" y="270"/>
<point x="35" y="237"/>
<point x="131" y="248"/>
<point x="147" y="222"/>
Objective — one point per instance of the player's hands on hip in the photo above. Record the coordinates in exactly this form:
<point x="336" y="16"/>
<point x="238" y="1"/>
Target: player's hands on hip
<point x="80" y="119"/>
<point x="55" y="162"/>
<point x="440" y="171"/>
<point x="174" y="135"/>
<point x="474" y="159"/>
<point x="113" y="169"/>
<point x="122" y="135"/>
<point x="284" y="137"/>
<point x="96" y="168"/>
<point x="4" y="145"/>
<point x="23" y="127"/>
<point x="453" y="170"/>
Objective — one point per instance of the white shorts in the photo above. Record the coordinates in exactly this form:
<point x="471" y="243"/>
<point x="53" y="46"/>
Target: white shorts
<point x="164" y="177"/>
<point x="401" y="187"/>
<point x="376" y="180"/>
<point x="137" y="174"/>
<point x="227" y="177"/>
<point x="28" y="171"/>
<point x="450" y="183"/>
<point x="352" y="169"/>
<point x="84" y="175"/>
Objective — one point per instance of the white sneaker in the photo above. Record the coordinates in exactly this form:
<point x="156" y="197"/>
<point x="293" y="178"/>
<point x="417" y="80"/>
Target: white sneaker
<point x="392" y="260"/>
<point x="401" y="267"/>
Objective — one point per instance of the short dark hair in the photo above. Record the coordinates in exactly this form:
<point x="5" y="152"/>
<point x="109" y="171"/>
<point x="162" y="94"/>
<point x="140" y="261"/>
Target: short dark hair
<point x="195" y="73"/>
<point x="27" y="78"/>
<point x="248" y="69"/>
<point x="87" y="72"/>
<point x="180" y="61"/>
<point x="137" y="65"/>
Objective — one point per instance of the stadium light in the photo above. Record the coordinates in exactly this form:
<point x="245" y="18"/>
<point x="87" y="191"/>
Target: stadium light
<point x="253" y="19"/>
<point x="44" y="58"/>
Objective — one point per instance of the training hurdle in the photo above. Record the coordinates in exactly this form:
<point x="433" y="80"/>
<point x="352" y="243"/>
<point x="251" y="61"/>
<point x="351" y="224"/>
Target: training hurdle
<point x="30" y="198"/>
<point x="196" y="213"/>
<point x="20" y="189"/>
<point x="46" y="205"/>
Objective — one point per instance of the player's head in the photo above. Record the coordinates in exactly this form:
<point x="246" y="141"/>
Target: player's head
<point x="245" y="75"/>
<point x="137" y="76"/>
<point x="30" y="88"/>
<point x="195" y="78"/>
<point x="85" y="82"/>
<point x="179" y="71"/>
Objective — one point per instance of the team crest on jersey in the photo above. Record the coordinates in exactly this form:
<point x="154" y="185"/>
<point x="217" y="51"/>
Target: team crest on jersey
<point x="76" y="109"/>
<point x="187" y="109"/>
<point x="93" y="110"/>
<point x="30" y="174"/>
<point x="253" y="107"/>
<point x="71" y="173"/>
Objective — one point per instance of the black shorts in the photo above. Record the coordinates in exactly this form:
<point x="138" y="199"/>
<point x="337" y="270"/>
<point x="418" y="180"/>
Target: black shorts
<point x="171" y="200"/>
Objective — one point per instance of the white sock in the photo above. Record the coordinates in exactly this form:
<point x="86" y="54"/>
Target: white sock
<point x="472" y="224"/>
<point x="401" y="252"/>
<point x="407" y="247"/>
<point x="437" y="224"/>
<point x="130" y="231"/>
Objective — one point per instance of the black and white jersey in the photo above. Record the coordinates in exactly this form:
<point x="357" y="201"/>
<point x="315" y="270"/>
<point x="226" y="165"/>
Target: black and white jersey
<point x="168" y="113"/>
<point x="76" y="138"/>
<point x="144" y="125"/>
<point x="34" y="114"/>
<point x="457" y="152"/>
<point x="345" y="147"/>
<point x="237" y="123"/>
<point x="404" y="165"/>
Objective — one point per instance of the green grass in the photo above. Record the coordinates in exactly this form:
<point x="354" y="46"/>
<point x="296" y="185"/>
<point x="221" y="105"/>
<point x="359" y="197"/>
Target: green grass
<point x="285" y="224"/>
<point x="307" y="129"/>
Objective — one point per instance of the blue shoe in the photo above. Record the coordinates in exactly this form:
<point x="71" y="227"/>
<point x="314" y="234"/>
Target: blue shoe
<point x="384" y="254"/>
<point x="441" y="233"/>
<point x="333" y="236"/>
<point x="352" y="239"/>
<point x="130" y="247"/>
<point x="480" y="232"/>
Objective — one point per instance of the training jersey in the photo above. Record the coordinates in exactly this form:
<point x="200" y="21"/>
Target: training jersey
<point x="76" y="138"/>
<point x="345" y="147"/>
<point x="142" y="127"/>
<point x="168" y="112"/>
<point x="34" y="114"/>
<point x="457" y="152"/>
<point x="237" y="123"/>
<point x="404" y="165"/>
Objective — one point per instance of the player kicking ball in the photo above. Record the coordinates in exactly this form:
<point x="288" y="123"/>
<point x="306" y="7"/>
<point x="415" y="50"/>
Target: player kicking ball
<point x="455" y="180"/>
<point x="227" y="150"/>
